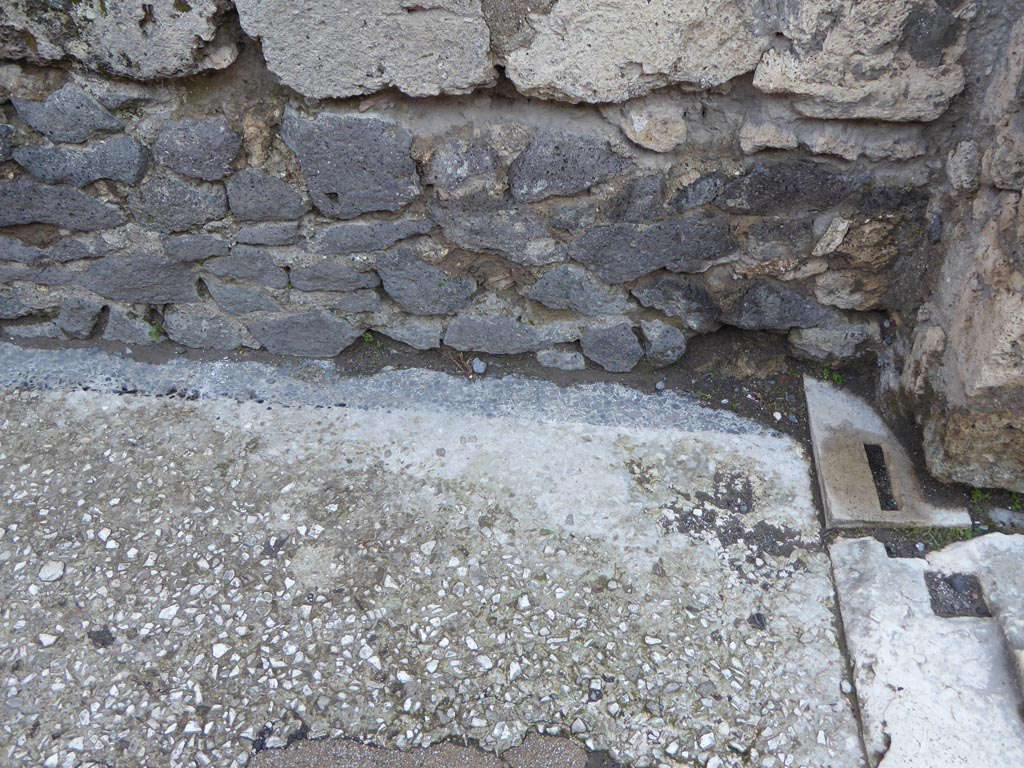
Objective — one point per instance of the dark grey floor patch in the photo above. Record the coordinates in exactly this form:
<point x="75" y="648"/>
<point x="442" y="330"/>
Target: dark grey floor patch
<point x="956" y="594"/>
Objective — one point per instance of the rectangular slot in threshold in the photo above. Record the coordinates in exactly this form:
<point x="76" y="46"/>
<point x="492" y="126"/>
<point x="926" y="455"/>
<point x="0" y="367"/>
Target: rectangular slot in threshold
<point x="880" y="474"/>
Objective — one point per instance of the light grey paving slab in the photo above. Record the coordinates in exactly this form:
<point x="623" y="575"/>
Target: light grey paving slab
<point x="932" y="691"/>
<point x="440" y="558"/>
<point x="842" y="424"/>
<point x="998" y="562"/>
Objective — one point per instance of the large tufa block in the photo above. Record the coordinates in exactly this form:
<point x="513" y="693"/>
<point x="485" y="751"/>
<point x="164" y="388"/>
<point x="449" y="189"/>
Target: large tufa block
<point x="341" y="48"/>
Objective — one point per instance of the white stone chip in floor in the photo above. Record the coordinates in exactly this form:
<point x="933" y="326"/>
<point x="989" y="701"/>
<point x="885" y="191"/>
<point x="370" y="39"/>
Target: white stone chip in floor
<point x="189" y="580"/>
<point x="933" y="692"/>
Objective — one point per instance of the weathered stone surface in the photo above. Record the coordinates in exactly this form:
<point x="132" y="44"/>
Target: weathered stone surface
<point x="561" y="164"/>
<point x="201" y="149"/>
<point x="514" y="232"/>
<point x="963" y="166"/>
<point x="840" y="339"/>
<point x="642" y="199"/>
<point x="332" y="275"/>
<point x="772" y="307"/>
<point x="257" y="196"/>
<point x="420" y="288"/>
<point x="247" y="262"/>
<point x="203" y="327"/>
<point x="119" y="158"/>
<point x="851" y="288"/>
<point x="681" y="297"/>
<point x="976" y="448"/>
<point x="128" y="325"/>
<point x="141" y="277"/>
<point x="141" y="41"/>
<point x="12" y="307"/>
<point x="78" y="316"/>
<point x="12" y="249"/>
<point x="353" y="164"/>
<point x="793" y="186"/>
<point x="417" y="332"/>
<point x="657" y="122"/>
<point x="460" y="167"/>
<point x="617" y="50"/>
<point x="1003" y="162"/>
<point x="691" y="242"/>
<point x="335" y="49"/>
<point x="502" y="335"/>
<point x="195" y="247"/>
<point x="28" y="202"/>
<point x="573" y="288"/>
<point x="167" y="203"/>
<point x="509" y="22"/>
<point x="912" y="48"/>
<point x="368" y="236"/>
<point x="852" y="140"/>
<point x="344" y="303"/>
<point x="238" y="299"/>
<point x="563" y="360"/>
<point x="700" y="192"/>
<point x="67" y="115"/>
<point x="6" y="142"/>
<point x="308" y="334"/>
<point x="615" y="348"/>
<point x="86" y="246"/>
<point x="664" y="344"/>
<point x="276" y="233"/>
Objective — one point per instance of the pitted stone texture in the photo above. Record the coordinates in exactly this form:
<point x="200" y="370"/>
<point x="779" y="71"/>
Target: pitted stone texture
<point x="368" y="236"/>
<point x="773" y="307"/>
<point x="141" y="41"/>
<point x="561" y="359"/>
<point x="615" y="348"/>
<point x="420" y="288"/>
<point x="28" y="202"/>
<point x="619" y="49"/>
<point x="203" y="327"/>
<point x="641" y="199"/>
<point x="417" y="332"/>
<point x="692" y="242"/>
<point x="6" y="142"/>
<point x="119" y="158"/>
<point x="353" y="164"/>
<point x="682" y="297"/>
<point x="78" y="316"/>
<point x="12" y="307"/>
<point x="561" y="164"/>
<point x="881" y="59"/>
<point x="12" y="249"/>
<point x="664" y="344"/>
<point x="238" y="299"/>
<point x="332" y="275"/>
<point x="257" y="196"/>
<point x="86" y="246"/>
<point x="499" y="330"/>
<point x="168" y="203"/>
<point x="700" y="192"/>
<point x="338" y="48"/>
<point x="460" y="167"/>
<point x="275" y="233"/>
<point x="573" y="288"/>
<point x="309" y="334"/>
<point x="510" y="22"/>
<point x="515" y="232"/>
<point x="128" y="325"/>
<point x="792" y="186"/>
<point x="141" y="277"/>
<point x="67" y="115"/>
<point x="247" y="262"/>
<point x="201" y="149"/>
<point x="195" y="247"/>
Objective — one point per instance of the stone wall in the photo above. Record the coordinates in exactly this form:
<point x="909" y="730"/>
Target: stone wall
<point x="509" y="176"/>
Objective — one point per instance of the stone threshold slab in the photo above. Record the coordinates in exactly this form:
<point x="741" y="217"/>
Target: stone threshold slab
<point x="845" y="431"/>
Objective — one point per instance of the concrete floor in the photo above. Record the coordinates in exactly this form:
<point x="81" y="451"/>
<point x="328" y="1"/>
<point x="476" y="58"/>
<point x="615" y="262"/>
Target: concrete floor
<point x="216" y="563"/>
